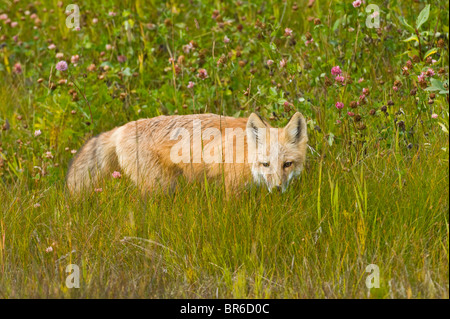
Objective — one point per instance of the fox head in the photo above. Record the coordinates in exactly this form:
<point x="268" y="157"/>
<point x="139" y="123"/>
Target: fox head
<point x="276" y="155"/>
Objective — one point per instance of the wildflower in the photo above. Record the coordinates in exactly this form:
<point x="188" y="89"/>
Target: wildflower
<point x="121" y="58"/>
<point x="74" y="59"/>
<point x="108" y="47"/>
<point x="350" y="113"/>
<point x="3" y="16"/>
<point x="430" y="72"/>
<point x="366" y="91"/>
<point x="340" y="79"/>
<point x="59" y="55"/>
<point x="37" y="205"/>
<point x="190" y="85"/>
<point x="52" y="47"/>
<point x="338" y="122"/>
<point x="395" y="88"/>
<point x="37" y="133"/>
<point x="49" y="249"/>
<point x="48" y="155"/>
<point x="202" y="74"/>
<point x="357" y="3"/>
<point x="14" y="24"/>
<point x="98" y="190"/>
<point x="339" y="105"/>
<point x="309" y="42"/>
<point x="116" y="174"/>
<point x="17" y="68"/>
<point x="112" y="14"/>
<point x="61" y="66"/>
<point x="336" y="70"/>
<point x="269" y="62"/>
<point x="434" y="116"/>
<point x="422" y="81"/>
<point x="283" y="63"/>
<point x="91" y="67"/>
<point x="360" y="80"/>
<point x="94" y="21"/>
<point x="226" y="39"/>
<point x="188" y="47"/>
<point x="73" y="151"/>
<point x="287" y="32"/>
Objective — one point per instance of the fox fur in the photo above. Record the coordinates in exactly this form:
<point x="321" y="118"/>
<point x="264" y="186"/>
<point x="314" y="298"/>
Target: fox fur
<point x="143" y="150"/>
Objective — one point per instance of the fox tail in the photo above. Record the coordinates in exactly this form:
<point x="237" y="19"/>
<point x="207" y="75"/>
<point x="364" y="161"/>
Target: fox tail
<point x="96" y="158"/>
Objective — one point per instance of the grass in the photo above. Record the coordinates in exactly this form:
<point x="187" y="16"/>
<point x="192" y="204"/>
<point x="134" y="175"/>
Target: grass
<point x="374" y="190"/>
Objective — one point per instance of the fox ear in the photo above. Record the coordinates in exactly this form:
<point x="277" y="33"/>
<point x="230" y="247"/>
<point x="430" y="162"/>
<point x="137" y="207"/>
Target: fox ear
<point x="254" y="123"/>
<point x="295" y="130"/>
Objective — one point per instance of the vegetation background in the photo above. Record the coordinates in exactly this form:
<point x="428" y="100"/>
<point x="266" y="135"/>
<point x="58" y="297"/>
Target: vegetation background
<point x="375" y="189"/>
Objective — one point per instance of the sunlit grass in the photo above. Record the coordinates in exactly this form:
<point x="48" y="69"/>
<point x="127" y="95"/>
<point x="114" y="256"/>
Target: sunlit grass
<point x="374" y="191"/>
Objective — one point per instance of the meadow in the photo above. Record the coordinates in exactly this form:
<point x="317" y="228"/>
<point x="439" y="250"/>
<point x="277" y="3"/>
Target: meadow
<point x="373" y="87"/>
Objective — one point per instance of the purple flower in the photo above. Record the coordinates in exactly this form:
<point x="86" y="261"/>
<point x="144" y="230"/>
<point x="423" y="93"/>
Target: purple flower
<point x="339" y="105"/>
<point x="17" y="68"/>
<point x="430" y="72"/>
<point x="190" y="85"/>
<point x="340" y="78"/>
<point x="421" y="77"/>
<point x="434" y="116"/>
<point x="336" y="70"/>
<point x="116" y="174"/>
<point x="202" y="74"/>
<point x="121" y="58"/>
<point x="357" y="3"/>
<point x="61" y="66"/>
<point x="287" y="32"/>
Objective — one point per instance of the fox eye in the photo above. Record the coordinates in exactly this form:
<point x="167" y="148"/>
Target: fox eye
<point x="287" y="164"/>
<point x="266" y="164"/>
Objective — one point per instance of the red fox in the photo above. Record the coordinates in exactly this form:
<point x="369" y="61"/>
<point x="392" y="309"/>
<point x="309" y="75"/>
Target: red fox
<point x="155" y="152"/>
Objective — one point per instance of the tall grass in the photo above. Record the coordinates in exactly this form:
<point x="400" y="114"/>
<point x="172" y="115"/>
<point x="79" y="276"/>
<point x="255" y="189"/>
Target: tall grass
<point x="198" y="243"/>
<point x="370" y="194"/>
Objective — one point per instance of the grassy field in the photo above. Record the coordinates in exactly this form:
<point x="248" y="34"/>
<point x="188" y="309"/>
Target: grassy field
<point x="375" y="189"/>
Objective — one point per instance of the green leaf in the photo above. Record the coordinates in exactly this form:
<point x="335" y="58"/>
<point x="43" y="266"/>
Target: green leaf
<point x="331" y="139"/>
<point x="273" y="46"/>
<point x="443" y="127"/>
<point x="411" y="38"/>
<point x="423" y="16"/>
<point x="430" y="52"/>
<point x="407" y="26"/>
<point x="437" y="85"/>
